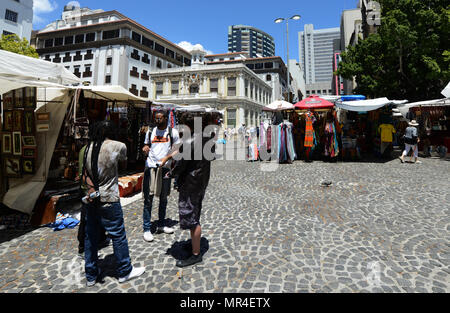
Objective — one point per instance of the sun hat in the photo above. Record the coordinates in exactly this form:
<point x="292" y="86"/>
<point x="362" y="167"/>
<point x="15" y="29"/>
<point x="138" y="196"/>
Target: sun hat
<point x="413" y="123"/>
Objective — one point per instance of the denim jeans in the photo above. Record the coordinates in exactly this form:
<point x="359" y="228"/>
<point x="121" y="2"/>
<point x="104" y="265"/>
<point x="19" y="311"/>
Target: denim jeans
<point x="148" y="199"/>
<point x="110" y="216"/>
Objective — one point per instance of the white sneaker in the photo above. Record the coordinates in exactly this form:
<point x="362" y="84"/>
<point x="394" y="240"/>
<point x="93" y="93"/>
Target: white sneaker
<point x="166" y="230"/>
<point x="148" y="236"/>
<point x="135" y="272"/>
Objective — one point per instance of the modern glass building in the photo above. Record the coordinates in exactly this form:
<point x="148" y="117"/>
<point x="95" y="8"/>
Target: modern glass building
<point x="255" y="42"/>
<point x="316" y="56"/>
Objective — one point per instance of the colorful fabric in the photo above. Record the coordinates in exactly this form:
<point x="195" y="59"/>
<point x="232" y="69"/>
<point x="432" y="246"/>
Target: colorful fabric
<point x="309" y="132"/>
<point x="386" y="131"/>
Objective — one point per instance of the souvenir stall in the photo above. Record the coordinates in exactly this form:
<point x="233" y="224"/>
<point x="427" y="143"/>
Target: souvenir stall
<point x="316" y="129"/>
<point x="276" y="134"/>
<point x="26" y="130"/>
<point x="368" y="127"/>
<point x="434" y="123"/>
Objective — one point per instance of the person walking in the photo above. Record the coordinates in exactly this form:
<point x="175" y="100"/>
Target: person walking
<point x="411" y="141"/>
<point x="193" y="177"/>
<point x="159" y="144"/>
<point x="100" y="174"/>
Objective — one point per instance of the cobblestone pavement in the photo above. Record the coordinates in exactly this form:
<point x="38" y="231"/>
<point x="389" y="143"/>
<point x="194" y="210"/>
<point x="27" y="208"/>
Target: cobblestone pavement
<point x="380" y="227"/>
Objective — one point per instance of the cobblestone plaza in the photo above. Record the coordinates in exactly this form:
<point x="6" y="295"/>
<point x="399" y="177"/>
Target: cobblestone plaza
<point x="380" y="227"/>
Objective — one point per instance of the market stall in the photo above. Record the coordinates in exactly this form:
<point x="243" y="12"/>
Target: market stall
<point x="26" y="129"/>
<point x="315" y="129"/>
<point x="369" y="127"/>
<point x="433" y="117"/>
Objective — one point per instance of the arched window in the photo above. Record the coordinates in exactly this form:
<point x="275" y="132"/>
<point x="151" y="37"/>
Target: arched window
<point x="268" y="77"/>
<point x="158" y="64"/>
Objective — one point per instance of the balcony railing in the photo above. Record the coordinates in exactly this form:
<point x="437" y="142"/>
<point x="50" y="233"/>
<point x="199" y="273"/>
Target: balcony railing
<point x="87" y="74"/>
<point x="134" y="74"/>
<point x="89" y="56"/>
<point x="134" y="92"/>
<point x="145" y="77"/>
<point x="144" y="94"/>
<point x="78" y="57"/>
<point x="78" y="74"/>
<point x="135" y="56"/>
<point x="67" y="59"/>
<point x="57" y="60"/>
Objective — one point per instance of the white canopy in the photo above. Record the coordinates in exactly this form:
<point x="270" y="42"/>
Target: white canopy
<point x="280" y="105"/>
<point x="366" y="105"/>
<point x="18" y="71"/>
<point x="112" y="93"/>
<point x="446" y="91"/>
<point x="439" y="102"/>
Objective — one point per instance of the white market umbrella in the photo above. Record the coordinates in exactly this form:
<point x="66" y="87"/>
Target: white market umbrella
<point x="280" y="105"/>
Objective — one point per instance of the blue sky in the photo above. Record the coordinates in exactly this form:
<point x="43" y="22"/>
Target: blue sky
<point x="206" y="22"/>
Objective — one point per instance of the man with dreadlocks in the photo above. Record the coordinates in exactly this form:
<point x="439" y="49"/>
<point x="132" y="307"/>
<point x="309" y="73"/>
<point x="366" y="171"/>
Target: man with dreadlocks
<point x="100" y="174"/>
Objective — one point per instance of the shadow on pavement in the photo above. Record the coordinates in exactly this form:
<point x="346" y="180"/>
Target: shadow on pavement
<point x="181" y="250"/>
<point x="167" y="222"/>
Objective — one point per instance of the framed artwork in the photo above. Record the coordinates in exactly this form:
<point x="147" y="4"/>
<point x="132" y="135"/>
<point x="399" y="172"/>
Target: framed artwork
<point x="28" y="117"/>
<point x="12" y="167"/>
<point x="6" y="144"/>
<point x="8" y="100"/>
<point x="17" y="143"/>
<point x="8" y="121"/>
<point x="18" y="98"/>
<point x="28" y="166"/>
<point x="29" y="141"/>
<point x="29" y="152"/>
<point x="29" y="97"/>
<point x="17" y="120"/>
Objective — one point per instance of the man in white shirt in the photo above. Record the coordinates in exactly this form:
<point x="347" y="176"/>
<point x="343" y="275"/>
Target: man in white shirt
<point x="160" y="144"/>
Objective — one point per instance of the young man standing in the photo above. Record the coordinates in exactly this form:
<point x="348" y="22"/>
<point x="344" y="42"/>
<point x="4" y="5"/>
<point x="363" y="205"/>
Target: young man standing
<point x="159" y="144"/>
<point x="103" y="209"/>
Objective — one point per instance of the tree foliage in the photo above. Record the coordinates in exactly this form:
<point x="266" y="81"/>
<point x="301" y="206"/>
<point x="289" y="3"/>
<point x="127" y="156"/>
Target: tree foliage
<point x="14" y="44"/>
<point x="409" y="56"/>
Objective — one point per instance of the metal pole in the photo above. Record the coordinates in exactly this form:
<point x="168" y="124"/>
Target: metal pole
<point x="287" y="43"/>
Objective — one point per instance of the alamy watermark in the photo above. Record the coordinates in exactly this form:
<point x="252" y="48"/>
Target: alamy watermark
<point x="374" y="13"/>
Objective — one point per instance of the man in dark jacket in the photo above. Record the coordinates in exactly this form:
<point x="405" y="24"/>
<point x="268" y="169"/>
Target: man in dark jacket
<point x="192" y="174"/>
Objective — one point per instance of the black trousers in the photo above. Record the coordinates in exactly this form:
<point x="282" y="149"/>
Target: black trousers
<point x="82" y="229"/>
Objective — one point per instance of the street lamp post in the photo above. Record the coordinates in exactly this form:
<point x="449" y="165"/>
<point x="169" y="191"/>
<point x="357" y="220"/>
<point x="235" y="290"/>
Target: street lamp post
<point x="279" y="20"/>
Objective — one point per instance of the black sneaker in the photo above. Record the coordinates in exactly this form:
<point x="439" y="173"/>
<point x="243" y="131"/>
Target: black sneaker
<point x="190" y="261"/>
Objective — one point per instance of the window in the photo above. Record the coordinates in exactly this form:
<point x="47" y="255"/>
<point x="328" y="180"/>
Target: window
<point x="11" y="16"/>
<point x="232" y="86"/>
<point x="78" y="56"/>
<point x="251" y="66"/>
<point x="268" y="65"/>
<point x="67" y="57"/>
<point x="107" y="79"/>
<point x="175" y="87"/>
<point x="109" y="61"/>
<point x="269" y="77"/>
<point x="79" y="38"/>
<point x="59" y="41"/>
<point x="147" y="42"/>
<point x="170" y="53"/>
<point x="68" y="40"/>
<point x="193" y="89"/>
<point x="146" y="59"/>
<point x="231" y="117"/>
<point x="48" y="43"/>
<point x="158" y="64"/>
<point x="214" y="85"/>
<point x="159" y="88"/>
<point x="90" y="37"/>
<point x="136" y="37"/>
<point x="109" y="34"/>
<point x="259" y="66"/>
<point x="88" y="55"/>
<point x="169" y="65"/>
<point x="6" y="33"/>
<point x="159" y="48"/>
<point x="135" y="55"/>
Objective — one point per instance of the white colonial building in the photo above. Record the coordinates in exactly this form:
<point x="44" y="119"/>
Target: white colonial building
<point x="234" y="88"/>
<point x="107" y="48"/>
<point x="16" y="17"/>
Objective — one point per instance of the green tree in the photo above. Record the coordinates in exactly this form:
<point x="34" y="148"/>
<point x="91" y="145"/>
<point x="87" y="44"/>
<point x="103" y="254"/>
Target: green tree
<point x="14" y="44"/>
<point x="409" y="56"/>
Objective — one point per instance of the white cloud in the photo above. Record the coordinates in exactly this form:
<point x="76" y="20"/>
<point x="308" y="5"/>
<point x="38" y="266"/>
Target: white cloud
<point x="189" y="47"/>
<point x="42" y="7"/>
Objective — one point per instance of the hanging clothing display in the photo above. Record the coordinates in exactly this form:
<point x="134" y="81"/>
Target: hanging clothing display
<point x="331" y="143"/>
<point x="309" y="130"/>
<point x="286" y="151"/>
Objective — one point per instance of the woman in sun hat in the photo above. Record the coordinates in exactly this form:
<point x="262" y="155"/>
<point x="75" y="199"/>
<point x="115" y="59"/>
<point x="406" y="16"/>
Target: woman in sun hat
<point x="411" y="141"/>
